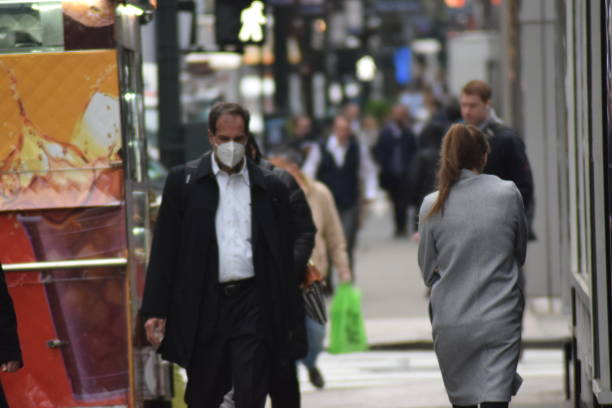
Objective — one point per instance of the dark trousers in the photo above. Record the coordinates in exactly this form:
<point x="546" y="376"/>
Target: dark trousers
<point x="350" y="224"/>
<point x="284" y="386"/>
<point x="400" y="207"/>
<point x="485" y="405"/>
<point x="236" y="355"/>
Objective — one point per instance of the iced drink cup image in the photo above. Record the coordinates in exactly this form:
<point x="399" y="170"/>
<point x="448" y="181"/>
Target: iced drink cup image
<point x="87" y="305"/>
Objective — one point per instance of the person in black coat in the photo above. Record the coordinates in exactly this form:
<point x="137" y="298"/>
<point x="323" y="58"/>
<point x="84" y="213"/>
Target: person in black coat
<point x="425" y="163"/>
<point x="10" y="352"/>
<point x="284" y="384"/>
<point x="507" y="158"/>
<point x="224" y="332"/>
<point x="394" y="151"/>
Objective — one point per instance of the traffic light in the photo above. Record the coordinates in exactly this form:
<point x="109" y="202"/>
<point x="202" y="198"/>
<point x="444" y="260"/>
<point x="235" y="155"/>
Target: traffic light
<point x="239" y="22"/>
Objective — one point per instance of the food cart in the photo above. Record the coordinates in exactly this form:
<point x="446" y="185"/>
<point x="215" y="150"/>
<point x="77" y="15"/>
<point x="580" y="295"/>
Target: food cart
<point x="74" y="203"/>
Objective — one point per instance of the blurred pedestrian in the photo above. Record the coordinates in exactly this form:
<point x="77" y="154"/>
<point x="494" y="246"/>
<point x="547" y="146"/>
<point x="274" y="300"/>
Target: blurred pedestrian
<point x="329" y="244"/>
<point x="347" y="169"/>
<point x="220" y="295"/>
<point x="303" y="135"/>
<point x="394" y="151"/>
<point x="352" y="113"/>
<point x="473" y="238"/>
<point x="369" y="131"/>
<point x="10" y="352"/>
<point x="508" y="159"/>
<point x="424" y="166"/>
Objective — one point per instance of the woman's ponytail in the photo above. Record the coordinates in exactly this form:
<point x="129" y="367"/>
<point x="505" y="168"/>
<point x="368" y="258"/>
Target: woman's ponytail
<point x="463" y="147"/>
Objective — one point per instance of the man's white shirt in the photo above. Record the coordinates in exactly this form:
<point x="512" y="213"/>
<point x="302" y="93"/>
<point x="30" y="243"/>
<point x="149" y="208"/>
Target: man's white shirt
<point x="233" y="224"/>
<point x="367" y="168"/>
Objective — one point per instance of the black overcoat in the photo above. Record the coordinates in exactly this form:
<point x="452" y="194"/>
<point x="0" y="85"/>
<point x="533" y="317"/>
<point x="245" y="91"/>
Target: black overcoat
<point x="182" y="276"/>
<point x="508" y="161"/>
<point x="384" y="150"/>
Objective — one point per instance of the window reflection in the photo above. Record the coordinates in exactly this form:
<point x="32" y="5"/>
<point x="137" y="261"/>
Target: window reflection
<point x="26" y="27"/>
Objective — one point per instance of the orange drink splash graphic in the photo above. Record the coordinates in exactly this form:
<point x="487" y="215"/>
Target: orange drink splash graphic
<point x="77" y="166"/>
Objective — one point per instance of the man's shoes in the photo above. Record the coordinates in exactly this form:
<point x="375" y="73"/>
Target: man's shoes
<point x="315" y="377"/>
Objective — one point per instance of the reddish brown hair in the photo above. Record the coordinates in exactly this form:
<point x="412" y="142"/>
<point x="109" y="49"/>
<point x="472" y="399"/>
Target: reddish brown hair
<point x="463" y="147"/>
<point x="478" y="88"/>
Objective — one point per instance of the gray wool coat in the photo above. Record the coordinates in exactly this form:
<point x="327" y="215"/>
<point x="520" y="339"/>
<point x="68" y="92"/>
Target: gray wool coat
<point x="470" y="255"/>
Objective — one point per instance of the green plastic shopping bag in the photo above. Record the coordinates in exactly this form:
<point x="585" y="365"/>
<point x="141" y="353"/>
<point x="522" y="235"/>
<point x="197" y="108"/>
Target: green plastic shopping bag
<point x="347" y="329"/>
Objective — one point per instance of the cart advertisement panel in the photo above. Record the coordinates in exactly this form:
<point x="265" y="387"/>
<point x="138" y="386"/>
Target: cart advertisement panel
<point x="62" y="199"/>
<point x="61" y="130"/>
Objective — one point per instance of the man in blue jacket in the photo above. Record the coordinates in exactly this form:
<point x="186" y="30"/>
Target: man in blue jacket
<point x="394" y="151"/>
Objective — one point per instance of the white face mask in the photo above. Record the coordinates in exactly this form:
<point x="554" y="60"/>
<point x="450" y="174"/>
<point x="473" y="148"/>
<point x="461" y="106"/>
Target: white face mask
<point x="230" y="153"/>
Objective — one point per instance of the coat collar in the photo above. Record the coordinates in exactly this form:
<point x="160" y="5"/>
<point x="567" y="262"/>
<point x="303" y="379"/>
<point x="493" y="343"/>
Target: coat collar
<point x="465" y="174"/>
<point x="205" y="169"/>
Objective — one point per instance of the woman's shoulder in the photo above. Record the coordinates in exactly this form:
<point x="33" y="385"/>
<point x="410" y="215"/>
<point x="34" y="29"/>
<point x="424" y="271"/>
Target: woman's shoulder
<point x="428" y="202"/>
<point x="502" y="189"/>
<point x="499" y="184"/>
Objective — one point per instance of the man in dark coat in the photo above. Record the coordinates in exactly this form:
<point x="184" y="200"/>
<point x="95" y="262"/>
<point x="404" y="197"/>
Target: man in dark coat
<point x="221" y="288"/>
<point x="507" y="158"/>
<point x="10" y="353"/>
<point x="393" y="151"/>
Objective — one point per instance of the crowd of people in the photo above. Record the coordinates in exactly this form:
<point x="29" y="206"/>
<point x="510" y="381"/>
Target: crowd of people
<point x="236" y="230"/>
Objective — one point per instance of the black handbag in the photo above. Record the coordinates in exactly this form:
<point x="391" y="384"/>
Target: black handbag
<point x="312" y="292"/>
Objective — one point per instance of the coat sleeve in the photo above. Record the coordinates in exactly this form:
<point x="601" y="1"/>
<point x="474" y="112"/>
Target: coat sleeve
<point x="519" y="169"/>
<point x="333" y="232"/>
<point x="520" y="240"/>
<point x="9" y="340"/>
<point x="302" y="224"/>
<point x="428" y="254"/>
<point x="415" y="179"/>
<point x="164" y="248"/>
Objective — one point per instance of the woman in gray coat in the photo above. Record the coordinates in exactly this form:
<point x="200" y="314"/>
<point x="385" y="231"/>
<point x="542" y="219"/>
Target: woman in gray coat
<point x="472" y="245"/>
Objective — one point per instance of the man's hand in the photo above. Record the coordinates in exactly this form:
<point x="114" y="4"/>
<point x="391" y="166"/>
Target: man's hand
<point x="10" y="366"/>
<point x="345" y="275"/>
<point x="155" y="328"/>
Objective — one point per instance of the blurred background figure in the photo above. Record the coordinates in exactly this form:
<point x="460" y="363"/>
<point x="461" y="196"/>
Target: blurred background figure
<point x="369" y="131"/>
<point x="303" y="135"/>
<point x="10" y="352"/>
<point x="352" y="113"/>
<point x="329" y="244"/>
<point x="422" y="174"/>
<point x="345" y="166"/>
<point x="394" y="151"/>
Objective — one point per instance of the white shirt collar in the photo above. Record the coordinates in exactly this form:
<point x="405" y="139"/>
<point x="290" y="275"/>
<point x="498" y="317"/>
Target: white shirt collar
<point x="333" y="143"/>
<point x="243" y="172"/>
